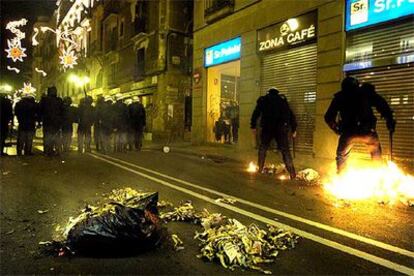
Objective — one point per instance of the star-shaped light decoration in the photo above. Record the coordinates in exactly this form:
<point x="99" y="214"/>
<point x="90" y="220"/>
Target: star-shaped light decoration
<point x="15" y="50"/>
<point x="68" y="59"/>
<point x="27" y="90"/>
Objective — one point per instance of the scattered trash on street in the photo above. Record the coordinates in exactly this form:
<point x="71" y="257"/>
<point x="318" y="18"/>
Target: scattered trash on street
<point x="227" y="200"/>
<point x="164" y="204"/>
<point x="178" y="243"/>
<point x="10" y="232"/>
<point x="42" y="211"/>
<point x="185" y="212"/>
<point x="236" y="245"/>
<point x="5" y="172"/>
<point x="310" y="176"/>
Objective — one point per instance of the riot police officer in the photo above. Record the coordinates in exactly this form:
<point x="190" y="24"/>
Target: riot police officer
<point x="276" y="119"/>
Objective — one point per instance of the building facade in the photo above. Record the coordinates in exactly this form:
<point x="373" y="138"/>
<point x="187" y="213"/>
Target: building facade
<point x="133" y="48"/>
<point x="244" y="47"/>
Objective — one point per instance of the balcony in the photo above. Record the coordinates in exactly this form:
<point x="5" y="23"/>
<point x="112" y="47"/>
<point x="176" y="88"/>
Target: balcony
<point x="216" y="9"/>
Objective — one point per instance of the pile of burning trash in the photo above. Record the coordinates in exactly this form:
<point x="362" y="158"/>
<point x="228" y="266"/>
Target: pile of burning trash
<point x="232" y="243"/>
<point x="384" y="183"/>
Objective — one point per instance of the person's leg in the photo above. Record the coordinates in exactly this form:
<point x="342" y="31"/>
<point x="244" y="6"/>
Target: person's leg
<point x="29" y="142"/>
<point x="20" y="141"/>
<point x="266" y="138"/>
<point x="282" y="140"/>
<point x="80" y="140"/>
<point x="374" y="146"/>
<point x="88" y="140"/>
<point x="342" y="152"/>
<point x="3" y="136"/>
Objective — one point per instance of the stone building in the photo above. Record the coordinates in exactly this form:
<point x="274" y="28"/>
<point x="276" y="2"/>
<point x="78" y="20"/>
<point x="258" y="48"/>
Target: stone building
<point x="133" y="48"/>
<point x="304" y="48"/>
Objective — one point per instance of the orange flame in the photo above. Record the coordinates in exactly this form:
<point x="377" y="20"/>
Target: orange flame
<point x="252" y="168"/>
<point x="385" y="183"/>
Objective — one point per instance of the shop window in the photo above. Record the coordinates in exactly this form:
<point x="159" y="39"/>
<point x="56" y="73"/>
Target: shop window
<point x="121" y="28"/>
<point x="140" y="65"/>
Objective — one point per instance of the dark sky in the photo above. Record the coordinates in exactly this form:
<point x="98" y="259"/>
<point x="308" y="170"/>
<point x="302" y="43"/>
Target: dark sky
<point x="14" y="10"/>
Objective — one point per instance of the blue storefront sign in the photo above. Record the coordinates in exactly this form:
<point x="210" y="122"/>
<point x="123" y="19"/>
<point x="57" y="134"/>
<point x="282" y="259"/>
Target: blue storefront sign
<point x="362" y="13"/>
<point x="223" y="52"/>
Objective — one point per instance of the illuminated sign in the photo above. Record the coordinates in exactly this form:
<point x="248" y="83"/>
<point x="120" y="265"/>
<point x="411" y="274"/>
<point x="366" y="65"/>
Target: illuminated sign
<point x="362" y="13"/>
<point x="290" y="33"/>
<point x="223" y="52"/>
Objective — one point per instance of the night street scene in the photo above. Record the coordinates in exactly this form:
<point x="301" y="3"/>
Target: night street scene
<point x="207" y="137"/>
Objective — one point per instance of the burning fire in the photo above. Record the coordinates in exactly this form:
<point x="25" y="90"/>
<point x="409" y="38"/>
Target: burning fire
<point x="384" y="183"/>
<point x="252" y="168"/>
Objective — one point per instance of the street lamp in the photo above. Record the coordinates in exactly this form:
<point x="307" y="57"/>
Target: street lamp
<point x="79" y="81"/>
<point x="6" y="87"/>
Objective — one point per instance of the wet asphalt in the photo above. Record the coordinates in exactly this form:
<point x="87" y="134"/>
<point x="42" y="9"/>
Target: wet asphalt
<point x="63" y="185"/>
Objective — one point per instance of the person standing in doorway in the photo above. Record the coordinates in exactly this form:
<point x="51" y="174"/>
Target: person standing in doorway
<point x="121" y="118"/>
<point x="97" y="126"/>
<point x="277" y="120"/>
<point x="350" y="116"/>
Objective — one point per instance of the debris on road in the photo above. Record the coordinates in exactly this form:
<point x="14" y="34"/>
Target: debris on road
<point x="275" y="169"/>
<point x="185" y="212"/>
<point x="164" y="204"/>
<point x="10" y="232"/>
<point x="42" y="211"/>
<point x="236" y="245"/>
<point x="126" y="221"/>
<point x="5" y="172"/>
<point x="232" y="243"/>
<point x="227" y="200"/>
<point x="310" y="176"/>
<point x="178" y="243"/>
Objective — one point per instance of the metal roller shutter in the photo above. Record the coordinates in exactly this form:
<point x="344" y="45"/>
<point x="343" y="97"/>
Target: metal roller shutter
<point x="396" y="85"/>
<point x="293" y="73"/>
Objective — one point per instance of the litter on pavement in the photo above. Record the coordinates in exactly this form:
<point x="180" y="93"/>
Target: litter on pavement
<point x="310" y="176"/>
<point x="178" y="243"/>
<point x="126" y="221"/>
<point x="227" y="200"/>
<point x="42" y="211"/>
<point x="184" y="212"/>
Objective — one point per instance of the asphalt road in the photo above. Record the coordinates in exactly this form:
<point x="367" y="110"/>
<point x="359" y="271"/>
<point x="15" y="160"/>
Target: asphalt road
<point x="351" y="239"/>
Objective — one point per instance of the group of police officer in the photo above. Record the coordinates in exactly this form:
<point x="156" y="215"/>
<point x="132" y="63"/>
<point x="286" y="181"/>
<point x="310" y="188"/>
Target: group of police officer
<point x="350" y="115"/>
<point x="125" y="123"/>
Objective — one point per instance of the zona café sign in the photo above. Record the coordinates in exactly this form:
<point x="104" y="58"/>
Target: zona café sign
<point x="291" y="33"/>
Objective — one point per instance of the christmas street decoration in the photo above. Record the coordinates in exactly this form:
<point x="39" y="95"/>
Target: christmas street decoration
<point x="68" y="59"/>
<point x="27" y="90"/>
<point x="13" y="69"/>
<point x="15" y="50"/>
<point x="44" y="74"/>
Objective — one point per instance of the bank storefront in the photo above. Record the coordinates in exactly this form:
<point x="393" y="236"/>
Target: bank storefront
<point x="380" y="50"/>
<point x="288" y="54"/>
<point x="222" y="63"/>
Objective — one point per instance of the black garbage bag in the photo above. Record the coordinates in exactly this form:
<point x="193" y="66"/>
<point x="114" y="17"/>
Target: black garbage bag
<point x="118" y="228"/>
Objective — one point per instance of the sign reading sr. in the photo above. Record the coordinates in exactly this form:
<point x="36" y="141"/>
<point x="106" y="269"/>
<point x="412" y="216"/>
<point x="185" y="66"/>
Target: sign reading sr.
<point x="362" y="13"/>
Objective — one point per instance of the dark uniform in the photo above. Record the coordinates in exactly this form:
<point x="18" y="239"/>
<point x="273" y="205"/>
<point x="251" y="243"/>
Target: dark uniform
<point x="121" y="117"/>
<point x="26" y="111"/>
<point x="97" y="128"/>
<point x="51" y="114"/>
<point x="137" y="119"/>
<point x="86" y="118"/>
<point x="69" y="117"/>
<point x="6" y="110"/>
<point x="276" y="118"/>
<point x="106" y="125"/>
<point x="357" y="122"/>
